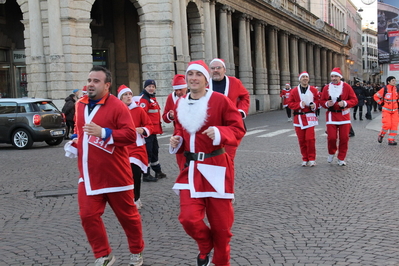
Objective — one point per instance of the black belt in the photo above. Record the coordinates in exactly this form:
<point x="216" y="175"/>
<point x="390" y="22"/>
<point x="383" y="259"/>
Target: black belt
<point x="335" y="111"/>
<point x="302" y="113"/>
<point x="201" y="155"/>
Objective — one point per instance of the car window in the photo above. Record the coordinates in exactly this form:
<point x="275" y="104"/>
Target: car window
<point x="45" y="106"/>
<point x="23" y="108"/>
<point x="7" y="108"/>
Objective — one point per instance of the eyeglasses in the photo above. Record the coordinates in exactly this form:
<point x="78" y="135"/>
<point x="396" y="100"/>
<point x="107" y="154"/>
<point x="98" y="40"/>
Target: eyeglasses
<point x="216" y="68"/>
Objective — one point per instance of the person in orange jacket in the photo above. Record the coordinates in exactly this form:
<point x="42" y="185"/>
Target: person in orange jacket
<point x="388" y="98"/>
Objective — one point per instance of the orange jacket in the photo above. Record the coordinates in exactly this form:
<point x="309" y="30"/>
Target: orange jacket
<point x="389" y="102"/>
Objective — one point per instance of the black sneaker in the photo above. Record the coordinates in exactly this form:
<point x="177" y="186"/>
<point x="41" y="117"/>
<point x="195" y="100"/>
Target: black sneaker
<point x="380" y="137"/>
<point x="203" y="260"/>
<point x="149" y="178"/>
<point x="160" y="175"/>
<point x="392" y="142"/>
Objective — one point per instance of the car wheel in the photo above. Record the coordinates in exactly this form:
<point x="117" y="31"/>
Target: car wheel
<point x="53" y="142"/>
<point x="21" y="139"/>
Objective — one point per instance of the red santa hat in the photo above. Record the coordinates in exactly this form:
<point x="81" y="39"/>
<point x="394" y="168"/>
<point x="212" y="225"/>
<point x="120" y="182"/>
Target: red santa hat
<point x="123" y="89"/>
<point x="84" y="90"/>
<point x="200" y="66"/>
<point x="218" y="60"/>
<point x="287" y="84"/>
<point x="304" y="73"/>
<point x="337" y="72"/>
<point x="179" y="82"/>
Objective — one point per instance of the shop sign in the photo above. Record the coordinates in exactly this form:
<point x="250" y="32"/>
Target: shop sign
<point x="19" y="56"/>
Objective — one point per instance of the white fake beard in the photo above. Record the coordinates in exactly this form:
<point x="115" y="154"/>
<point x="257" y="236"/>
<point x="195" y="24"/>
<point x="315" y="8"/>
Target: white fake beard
<point x="335" y="91"/>
<point x="306" y="97"/>
<point x="192" y="114"/>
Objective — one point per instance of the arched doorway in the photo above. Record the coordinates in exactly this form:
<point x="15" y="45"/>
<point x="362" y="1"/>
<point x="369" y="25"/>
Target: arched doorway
<point x="116" y="41"/>
<point x="13" y="78"/>
<point x="195" y="33"/>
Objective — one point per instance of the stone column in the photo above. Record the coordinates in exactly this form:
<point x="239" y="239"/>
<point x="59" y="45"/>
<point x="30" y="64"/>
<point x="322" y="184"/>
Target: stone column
<point x="231" y="66"/>
<point x="244" y="66"/>
<point x="35" y="61"/>
<point x="184" y="33"/>
<point x="302" y="56"/>
<point x="207" y="31"/>
<point x="317" y="69"/>
<point x="310" y="61"/>
<point x="260" y="82"/>
<point x="294" y="66"/>
<point x="214" y="29"/>
<point x="330" y="65"/>
<point x="284" y="58"/>
<point x="324" y="73"/>
<point x="177" y="36"/>
<point x="56" y="60"/>
<point x="273" y="68"/>
<point x="224" y="36"/>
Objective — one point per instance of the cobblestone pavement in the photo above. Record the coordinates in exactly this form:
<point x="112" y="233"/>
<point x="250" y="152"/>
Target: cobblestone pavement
<point x="284" y="214"/>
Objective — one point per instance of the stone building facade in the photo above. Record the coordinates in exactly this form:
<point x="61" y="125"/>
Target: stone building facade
<point x="265" y="43"/>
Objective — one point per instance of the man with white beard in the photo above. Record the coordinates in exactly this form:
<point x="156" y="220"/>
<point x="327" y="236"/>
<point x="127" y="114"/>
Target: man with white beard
<point x="338" y="97"/>
<point x="304" y="101"/>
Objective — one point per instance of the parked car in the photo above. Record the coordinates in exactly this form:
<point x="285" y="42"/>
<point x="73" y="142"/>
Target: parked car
<point x="27" y="120"/>
<point x="390" y="27"/>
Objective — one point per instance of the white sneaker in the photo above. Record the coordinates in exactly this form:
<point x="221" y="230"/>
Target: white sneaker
<point x="105" y="261"/>
<point x="312" y="163"/>
<point x="304" y="163"/>
<point x="138" y="204"/>
<point x="330" y="158"/>
<point x="289" y="119"/>
<point x="136" y="260"/>
<point x="341" y="163"/>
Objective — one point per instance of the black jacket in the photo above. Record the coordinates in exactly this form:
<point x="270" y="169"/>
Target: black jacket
<point x="360" y="94"/>
<point x="69" y="108"/>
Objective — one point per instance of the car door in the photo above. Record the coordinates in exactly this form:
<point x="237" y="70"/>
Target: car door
<point x="7" y="119"/>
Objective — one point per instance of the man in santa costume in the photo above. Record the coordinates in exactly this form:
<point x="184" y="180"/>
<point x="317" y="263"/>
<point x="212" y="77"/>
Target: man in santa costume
<point x="180" y="89"/>
<point x="137" y="150"/>
<point x="149" y="103"/>
<point x="304" y="100"/>
<point x="285" y="95"/>
<point x="104" y="128"/>
<point x="234" y="90"/>
<point x="338" y="97"/>
<point x="206" y="121"/>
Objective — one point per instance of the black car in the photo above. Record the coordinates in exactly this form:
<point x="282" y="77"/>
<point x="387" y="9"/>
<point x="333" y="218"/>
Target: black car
<point x="27" y="120"/>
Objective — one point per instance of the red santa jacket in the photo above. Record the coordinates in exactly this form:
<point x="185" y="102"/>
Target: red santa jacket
<point x="237" y="93"/>
<point x="285" y="94"/>
<point x="344" y="92"/>
<point x="151" y="107"/>
<point x="104" y="165"/>
<point x="214" y="176"/>
<point x="300" y="112"/>
<point x="137" y="150"/>
<point x="169" y="105"/>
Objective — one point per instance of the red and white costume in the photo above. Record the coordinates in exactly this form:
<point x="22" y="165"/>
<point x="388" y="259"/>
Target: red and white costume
<point x="338" y="119"/>
<point x="285" y="94"/>
<point x="169" y="105"/>
<point x="207" y="186"/>
<point x="305" y="119"/>
<point x="105" y="173"/>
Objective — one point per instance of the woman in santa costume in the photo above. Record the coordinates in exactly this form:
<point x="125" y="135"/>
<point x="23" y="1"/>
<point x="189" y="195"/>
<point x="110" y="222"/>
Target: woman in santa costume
<point x="206" y="121"/>
<point x="304" y="100"/>
<point x="137" y="150"/>
<point x="338" y="97"/>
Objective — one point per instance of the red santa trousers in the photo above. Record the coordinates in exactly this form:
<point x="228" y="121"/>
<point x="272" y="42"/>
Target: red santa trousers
<point x="307" y="143"/>
<point x="390" y="122"/>
<point x="91" y="209"/>
<point x="220" y="215"/>
<point x="333" y="131"/>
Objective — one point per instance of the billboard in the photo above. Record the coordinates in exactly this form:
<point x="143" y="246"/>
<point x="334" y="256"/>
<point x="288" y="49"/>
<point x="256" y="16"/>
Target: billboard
<point x="388" y="33"/>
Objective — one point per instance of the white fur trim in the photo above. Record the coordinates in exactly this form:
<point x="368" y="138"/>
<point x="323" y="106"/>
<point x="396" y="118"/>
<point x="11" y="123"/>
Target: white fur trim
<point x="192" y="114"/>
<point x="179" y="87"/>
<point x="336" y="73"/>
<point x="123" y="91"/>
<point x="218" y="60"/>
<point x="199" y="68"/>
<point x="303" y="74"/>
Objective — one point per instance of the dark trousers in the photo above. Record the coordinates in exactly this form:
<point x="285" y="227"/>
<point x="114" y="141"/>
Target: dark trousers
<point x="288" y="110"/>
<point x="368" y="113"/>
<point x="151" y="142"/>
<point x="70" y="126"/>
<point x="137" y="180"/>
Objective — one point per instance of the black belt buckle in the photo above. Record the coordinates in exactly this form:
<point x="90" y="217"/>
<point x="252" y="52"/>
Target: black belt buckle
<point x="201" y="156"/>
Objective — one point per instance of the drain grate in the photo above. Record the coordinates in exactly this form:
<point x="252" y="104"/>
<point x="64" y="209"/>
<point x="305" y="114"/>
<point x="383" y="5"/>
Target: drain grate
<point x="55" y="193"/>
